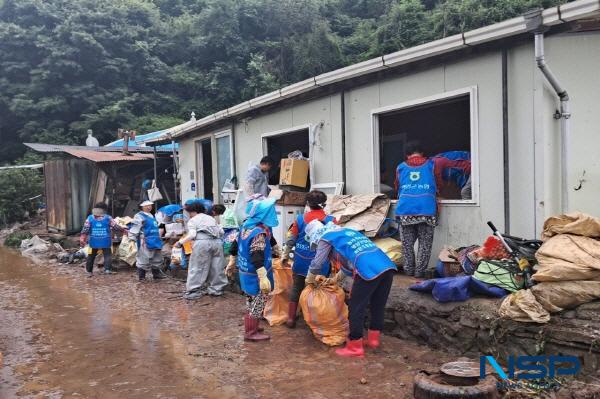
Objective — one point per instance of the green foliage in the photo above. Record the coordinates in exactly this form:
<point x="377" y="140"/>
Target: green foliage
<point x="17" y="188"/>
<point x="14" y="239"/>
<point x="71" y="65"/>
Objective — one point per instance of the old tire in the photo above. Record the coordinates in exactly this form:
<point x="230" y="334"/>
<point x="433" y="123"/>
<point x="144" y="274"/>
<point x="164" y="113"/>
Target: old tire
<point x="425" y="387"/>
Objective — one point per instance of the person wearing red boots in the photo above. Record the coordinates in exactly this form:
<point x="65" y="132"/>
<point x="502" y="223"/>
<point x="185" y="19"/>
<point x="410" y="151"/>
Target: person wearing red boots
<point x="252" y="255"/>
<point x="373" y="273"/>
<point x="303" y="255"/>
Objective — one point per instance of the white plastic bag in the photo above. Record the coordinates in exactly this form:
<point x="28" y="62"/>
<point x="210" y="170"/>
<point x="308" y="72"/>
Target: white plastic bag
<point x="127" y="251"/>
<point x="154" y="193"/>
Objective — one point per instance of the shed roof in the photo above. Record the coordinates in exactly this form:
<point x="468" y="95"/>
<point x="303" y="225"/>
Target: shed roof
<point x="97" y="156"/>
<point x="141" y="139"/>
<point x="516" y="26"/>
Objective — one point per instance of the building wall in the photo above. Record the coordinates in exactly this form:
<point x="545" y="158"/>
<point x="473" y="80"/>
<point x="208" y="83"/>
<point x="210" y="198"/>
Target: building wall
<point x="459" y="224"/>
<point x="575" y="60"/>
<point x="534" y="144"/>
<point x="327" y="157"/>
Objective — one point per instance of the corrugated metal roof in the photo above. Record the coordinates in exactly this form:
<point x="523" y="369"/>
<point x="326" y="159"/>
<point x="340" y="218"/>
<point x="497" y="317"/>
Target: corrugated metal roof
<point x="49" y="148"/>
<point x="139" y="141"/>
<point x="552" y="16"/>
<point x="97" y="156"/>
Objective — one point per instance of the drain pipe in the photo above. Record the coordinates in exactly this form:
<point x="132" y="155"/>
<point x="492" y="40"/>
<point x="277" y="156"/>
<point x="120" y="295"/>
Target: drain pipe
<point x="564" y="114"/>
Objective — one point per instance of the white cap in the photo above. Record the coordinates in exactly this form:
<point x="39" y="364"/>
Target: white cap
<point x="147" y="202"/>
<point x="311" y="229"/>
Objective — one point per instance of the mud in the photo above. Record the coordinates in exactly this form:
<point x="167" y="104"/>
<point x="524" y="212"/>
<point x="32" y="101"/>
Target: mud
<point x="66" y="336"/>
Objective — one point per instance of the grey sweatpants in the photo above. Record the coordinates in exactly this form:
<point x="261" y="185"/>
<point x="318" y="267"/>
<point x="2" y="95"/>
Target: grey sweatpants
<point x="148" y="258"/>
<point x="207" y="266"/>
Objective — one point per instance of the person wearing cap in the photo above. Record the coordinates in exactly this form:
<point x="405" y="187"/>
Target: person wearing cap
<point x="252" y="255"/>
<point x="145" y="231"/>
<point x="207" y="262"/>
<point x="97" y="233"/>
<point x="257" y="177"/>
<point x="373" y="273"/>
<point x="303" y="254"/>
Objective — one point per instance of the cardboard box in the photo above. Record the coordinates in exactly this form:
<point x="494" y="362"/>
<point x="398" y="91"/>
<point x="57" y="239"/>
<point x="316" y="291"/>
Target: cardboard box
<point x="283" y="197"/>
<point x="294" y="172"/>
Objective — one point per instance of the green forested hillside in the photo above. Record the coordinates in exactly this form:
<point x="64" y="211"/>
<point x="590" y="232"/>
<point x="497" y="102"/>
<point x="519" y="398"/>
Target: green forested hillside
<point x="70" y="65"/>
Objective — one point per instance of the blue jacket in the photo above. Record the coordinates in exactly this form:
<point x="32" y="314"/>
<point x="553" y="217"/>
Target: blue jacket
<point x="363" y="257"/>
<point x="100" y="234"/>
<point x="151" y="233"/>
<point x="302" y="252"/>
<point x="247" y="271"/>
<point x="417" y="190"/>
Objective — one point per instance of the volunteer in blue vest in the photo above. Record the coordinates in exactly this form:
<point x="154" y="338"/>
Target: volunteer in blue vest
<point x="417" y="209"/>
<point x="97" y="233"/>
<point x="252" y="254"/>
<point x="373" y="273"/>
<point x="145" y="231"/>
<point x="303" y="255"/>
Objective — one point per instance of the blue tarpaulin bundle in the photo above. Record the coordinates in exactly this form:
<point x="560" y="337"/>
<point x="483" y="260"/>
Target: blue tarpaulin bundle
<point x="457" y="289"/>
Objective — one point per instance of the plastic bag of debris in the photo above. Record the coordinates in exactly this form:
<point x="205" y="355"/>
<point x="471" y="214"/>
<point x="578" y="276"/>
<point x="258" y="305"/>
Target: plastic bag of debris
<point x="127" y="250"/>
<point x="325" y="311"/>
<point x="34" y="246"/>
<point x="276" y="308"/>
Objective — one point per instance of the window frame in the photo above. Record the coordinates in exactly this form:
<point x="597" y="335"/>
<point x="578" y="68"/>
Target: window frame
<point x="474" y="138"/>
<point x="216" y="136"/>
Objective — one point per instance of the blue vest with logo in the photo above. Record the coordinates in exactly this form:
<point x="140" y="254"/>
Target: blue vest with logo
<point x="416" y="194"/>
<point x="100" y="236"/>
<point x="302" y="253"/>
<point x="151" y="233"/>
<point x="368" y="261"/>
<point x="247" y="271"/>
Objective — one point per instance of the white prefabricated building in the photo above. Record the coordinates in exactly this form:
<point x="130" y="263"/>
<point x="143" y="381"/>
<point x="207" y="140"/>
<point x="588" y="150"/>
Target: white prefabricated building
<point x="534" y="153"/>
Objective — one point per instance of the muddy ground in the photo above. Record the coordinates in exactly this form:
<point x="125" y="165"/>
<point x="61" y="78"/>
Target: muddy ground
<point x="66" y="336"/>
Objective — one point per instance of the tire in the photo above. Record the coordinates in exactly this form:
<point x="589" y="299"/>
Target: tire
<point x="426" y="387"/>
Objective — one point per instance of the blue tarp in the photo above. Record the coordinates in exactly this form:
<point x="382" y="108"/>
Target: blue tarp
<point x="457" y="289"/>
<point x="140" y="139"/>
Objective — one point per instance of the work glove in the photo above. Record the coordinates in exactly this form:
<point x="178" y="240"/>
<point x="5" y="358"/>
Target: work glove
<point x="178" y="244"/>
<point x="263" y="280"/>
<point x="276" y="251"/>
<point x="230" y="266"/>
<point x="337" y="279"/>
<point x="310" y="279"/>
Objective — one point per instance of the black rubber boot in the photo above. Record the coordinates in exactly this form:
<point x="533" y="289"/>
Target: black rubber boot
<point x="141" y="274"/>
<point x="157" y="274"/>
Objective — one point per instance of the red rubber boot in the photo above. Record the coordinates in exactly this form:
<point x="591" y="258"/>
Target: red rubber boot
<point x="251" y="332"/>
<point x="292" y="309"/>
<point x="352" y="349"/>
<point x="372" y="341"/>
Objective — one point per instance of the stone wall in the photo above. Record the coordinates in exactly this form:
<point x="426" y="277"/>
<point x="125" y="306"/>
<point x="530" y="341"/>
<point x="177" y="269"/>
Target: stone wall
<point x="473" y="328"/>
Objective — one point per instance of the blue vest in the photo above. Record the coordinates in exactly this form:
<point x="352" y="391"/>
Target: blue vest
<point x="368" y="261"/>
<point x="416" y="194"/>
<point x="302" y="253"/>
<point x="151" y="233"/>
<point x="100" y="236"/>
<point x="247" y="271"/>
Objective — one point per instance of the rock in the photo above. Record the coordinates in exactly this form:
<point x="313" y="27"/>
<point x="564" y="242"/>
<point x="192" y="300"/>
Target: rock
<point x="364" y="381"/>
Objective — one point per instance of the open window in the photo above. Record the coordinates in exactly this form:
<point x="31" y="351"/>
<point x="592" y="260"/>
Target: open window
<point x="278" y="145"/>
<point x="446" y="127"/>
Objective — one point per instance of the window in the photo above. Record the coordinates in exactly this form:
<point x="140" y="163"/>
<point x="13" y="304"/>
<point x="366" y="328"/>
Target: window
<point x="278" y="145"/>
<point x="445" y="126"/>
<point x="205" y="170"/>
<point x="224" y="159"/>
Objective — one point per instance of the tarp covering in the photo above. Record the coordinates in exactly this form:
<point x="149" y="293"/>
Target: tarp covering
<point x="568" y="270"/>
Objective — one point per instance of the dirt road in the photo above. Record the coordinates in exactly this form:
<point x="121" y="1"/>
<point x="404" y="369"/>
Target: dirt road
<point x="66" y="336"/>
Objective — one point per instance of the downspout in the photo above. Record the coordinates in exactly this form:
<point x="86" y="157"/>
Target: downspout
<point x="505" y="141"/>
<point x="564" y="114"/>
<point x="343" y="129"/>
<point x="233" y="160"/>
